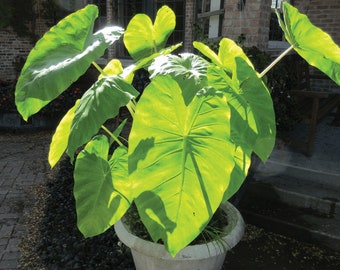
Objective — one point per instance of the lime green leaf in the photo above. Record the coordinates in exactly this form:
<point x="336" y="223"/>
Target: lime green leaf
<point x="97" y="184"/>
<point x="114" y="67"/>
<point x="128" y="72"/>
<point x="311" y="42"/>
<point x="227" y="53"/>
<point x="60" y="57"/>
<point x="188" y="69"/>
<point x="187" y="65"/>
<point x="243" y="128"/>
<point x="242" y="158"/>
<point x="121" y="183"/>
<point x="100" y="103"/>
<point x="179" y="155"/>
<point x="61" y="135"/>
<point x="252" y="120"/>
<point x="257" y="95"/>
<point x="252" y="113"/>
<point x="206" y="51"/>
<point x="142" y="38"/>
<point x="119" y="129"/>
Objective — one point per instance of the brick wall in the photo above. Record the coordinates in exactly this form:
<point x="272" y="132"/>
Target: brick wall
<point x="189" y="22"/>
<point x="252" y="21"/>
<point x="12" y="48"/>
<point x="324" y="14"/>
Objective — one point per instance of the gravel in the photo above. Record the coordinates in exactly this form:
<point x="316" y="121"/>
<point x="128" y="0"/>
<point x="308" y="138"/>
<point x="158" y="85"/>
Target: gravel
<point x="53" y="240"/>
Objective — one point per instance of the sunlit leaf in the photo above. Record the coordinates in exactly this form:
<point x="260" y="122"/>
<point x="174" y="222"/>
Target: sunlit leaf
<point x="128" y="72"/>
<point x="97" y="187"/>
<point x="60" y="57"/>
<point x="206" y="51"/>
<point x="142" y="38"/>
<point x="61" y="135"/>
<point x="100" y="103"/>
<point x="252" y="113"/>
<point x="312" y="43"/>
<point x="176" y="201"/>
<point x="188" y="69"/>
<point x="114" y="67"/>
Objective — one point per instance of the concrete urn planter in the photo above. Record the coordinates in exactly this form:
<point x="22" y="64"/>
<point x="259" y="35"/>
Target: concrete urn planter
<point x="210" y="256"/>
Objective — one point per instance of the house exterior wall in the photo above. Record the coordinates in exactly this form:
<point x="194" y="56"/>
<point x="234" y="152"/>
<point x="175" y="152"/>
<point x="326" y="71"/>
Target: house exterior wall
<point x="252" y="20"/>
<point x="324" y="14"/>
<point x="13" y="47"/>
<point x="189" y="22"/>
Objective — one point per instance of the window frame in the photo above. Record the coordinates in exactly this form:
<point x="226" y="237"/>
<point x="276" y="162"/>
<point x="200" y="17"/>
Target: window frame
<point x="274" y="44"/>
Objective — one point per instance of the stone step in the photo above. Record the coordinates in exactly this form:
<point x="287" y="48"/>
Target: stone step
<point x="294" y="207"/>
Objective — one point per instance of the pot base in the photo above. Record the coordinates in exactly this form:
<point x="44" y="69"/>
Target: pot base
<point x="210" y="256"/>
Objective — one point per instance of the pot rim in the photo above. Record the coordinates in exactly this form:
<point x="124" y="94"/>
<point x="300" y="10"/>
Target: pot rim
<point x="234" y="230"/>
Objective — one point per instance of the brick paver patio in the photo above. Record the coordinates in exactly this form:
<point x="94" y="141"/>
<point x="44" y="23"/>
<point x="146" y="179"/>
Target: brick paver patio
<point x="20" y="168"/>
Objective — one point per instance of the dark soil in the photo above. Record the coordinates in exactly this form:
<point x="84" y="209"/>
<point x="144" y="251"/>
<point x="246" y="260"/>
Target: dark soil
<point x="54" y="242"/>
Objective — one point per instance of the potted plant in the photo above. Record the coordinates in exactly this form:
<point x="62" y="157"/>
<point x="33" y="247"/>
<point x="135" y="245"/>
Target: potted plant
<point x="194" y="127"/>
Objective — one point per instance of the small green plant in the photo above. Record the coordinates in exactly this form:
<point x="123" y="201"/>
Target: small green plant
<point x="194" y="128"/>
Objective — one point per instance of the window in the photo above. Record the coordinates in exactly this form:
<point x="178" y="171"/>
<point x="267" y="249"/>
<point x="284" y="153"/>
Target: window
<point x="210" y="17"/>
<point x="276" y="36"/>
<point x="277" y="4"/>
<point x="101" y="20"/>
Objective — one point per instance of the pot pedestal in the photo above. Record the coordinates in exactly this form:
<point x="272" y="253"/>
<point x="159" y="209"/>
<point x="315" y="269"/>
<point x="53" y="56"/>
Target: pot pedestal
<point x="210" y="256"/>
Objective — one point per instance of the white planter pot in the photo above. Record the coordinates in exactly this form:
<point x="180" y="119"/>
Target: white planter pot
<point x="152" y="256"/>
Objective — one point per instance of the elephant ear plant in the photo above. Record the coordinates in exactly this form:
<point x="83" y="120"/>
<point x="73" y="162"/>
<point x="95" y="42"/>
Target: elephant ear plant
<point x="194" y="128"/>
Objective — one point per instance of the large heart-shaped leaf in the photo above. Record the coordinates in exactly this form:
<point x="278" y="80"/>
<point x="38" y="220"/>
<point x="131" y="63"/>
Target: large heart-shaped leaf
<point x="61" y="135"/>
<point x="253" y="119"/>
<point x="311" y="42"/>
<point x="100" y="103"/>
<point x="142" y="38"/>
<point x="101" y="188"/>
<point x="258" y="111"/>
<point x="60" y="57"/>
<point x="209" y="53"/>
<point x="180" y="160"/>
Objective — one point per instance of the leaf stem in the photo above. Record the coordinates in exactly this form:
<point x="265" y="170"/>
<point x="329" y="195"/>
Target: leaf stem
<point x="131" y="106"/>
<point x="101" y="71"/>
<point x="112" y="135"/>
<point x="276" y="61"/>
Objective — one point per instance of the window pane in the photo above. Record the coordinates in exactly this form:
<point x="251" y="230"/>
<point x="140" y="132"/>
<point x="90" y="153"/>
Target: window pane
<point x="278" y="3"/>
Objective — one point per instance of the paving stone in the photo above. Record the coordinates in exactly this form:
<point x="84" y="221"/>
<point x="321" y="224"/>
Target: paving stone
<point x="2" y="165"/>
<point x="13" y="245"/>
<point x="9" y="216"/>
<point x="2" y="199"/>
<point x="6" y="231"/>
<point x="3" y="242"/>
<point x="4" y="209"/>
<point x="9" y="264"/>
<point x="23" y="163"/>
<point x="11" y="256"/>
